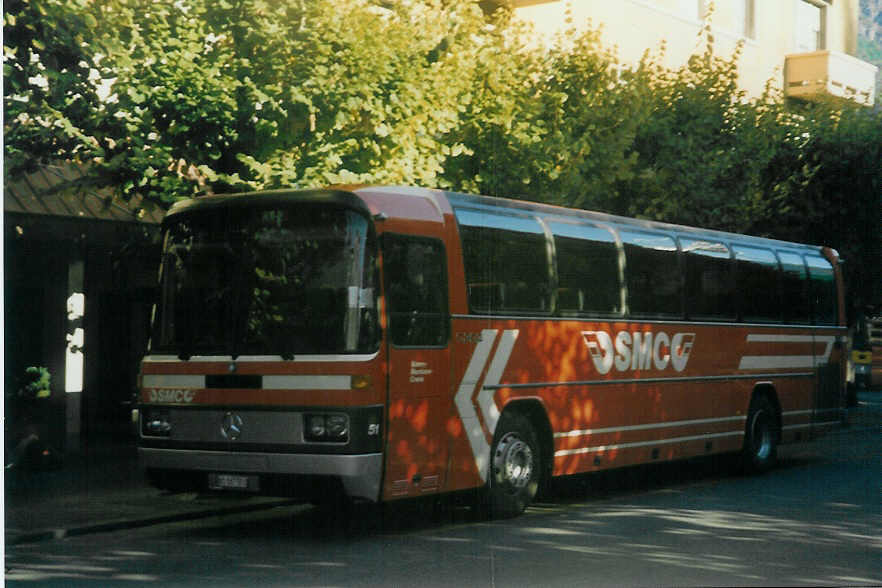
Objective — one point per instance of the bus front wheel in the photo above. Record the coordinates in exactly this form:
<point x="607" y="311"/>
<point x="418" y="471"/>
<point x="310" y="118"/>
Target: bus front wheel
<point x="515" y="466"/>
<point x="760" y="451"/>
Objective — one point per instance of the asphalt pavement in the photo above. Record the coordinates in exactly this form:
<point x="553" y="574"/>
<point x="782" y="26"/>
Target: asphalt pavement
<point x="103" y="489"/>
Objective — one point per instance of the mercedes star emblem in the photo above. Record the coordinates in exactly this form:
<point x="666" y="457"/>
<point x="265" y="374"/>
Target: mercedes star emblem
<point x="231" y="426"/>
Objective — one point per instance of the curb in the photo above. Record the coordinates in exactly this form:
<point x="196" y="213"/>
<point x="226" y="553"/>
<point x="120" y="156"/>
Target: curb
<point x="51" y="534"/>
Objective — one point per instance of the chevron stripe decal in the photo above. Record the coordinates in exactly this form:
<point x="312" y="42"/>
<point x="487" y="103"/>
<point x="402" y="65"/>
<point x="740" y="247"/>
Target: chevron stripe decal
<point x="486" y="403"/>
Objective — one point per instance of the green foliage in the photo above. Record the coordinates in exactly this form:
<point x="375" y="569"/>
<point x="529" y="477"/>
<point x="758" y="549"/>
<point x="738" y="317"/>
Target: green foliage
<point x="694" y="139"/>
<point x="49" y="80"/>
<point x="245" y="94"/>
<point x="36" y="383"/>
<point x="871" y="51"/>
<point x="172" y="100"/>
<point x="824" y="185"/>
<point x="498" y="121"/>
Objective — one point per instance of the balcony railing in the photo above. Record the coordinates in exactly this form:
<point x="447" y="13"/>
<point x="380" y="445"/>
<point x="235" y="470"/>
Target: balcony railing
<point x="829" y="73"/>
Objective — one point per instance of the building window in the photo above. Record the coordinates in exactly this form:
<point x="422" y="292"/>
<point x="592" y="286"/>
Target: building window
<point x="745" y="18"/>
<point x="811" y="25"/>
<point x="693" y="9"/>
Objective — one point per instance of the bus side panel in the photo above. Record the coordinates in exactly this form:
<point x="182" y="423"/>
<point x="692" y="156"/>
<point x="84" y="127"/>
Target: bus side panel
<point x="621" y="393"/>
<point x="830" y="358"/>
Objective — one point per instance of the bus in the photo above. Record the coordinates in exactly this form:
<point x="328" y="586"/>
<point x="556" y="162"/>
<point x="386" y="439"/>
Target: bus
<point x="395" y="342"/>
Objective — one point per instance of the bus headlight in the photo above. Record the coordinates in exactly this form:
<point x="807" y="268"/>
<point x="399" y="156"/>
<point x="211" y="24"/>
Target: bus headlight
<point x="337" y="426"/>
<point x="333" y="427"/>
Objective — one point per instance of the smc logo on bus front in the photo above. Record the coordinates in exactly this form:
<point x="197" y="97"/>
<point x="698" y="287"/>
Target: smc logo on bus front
<point x="170" y="395"/>
<point x="638" y="350"/>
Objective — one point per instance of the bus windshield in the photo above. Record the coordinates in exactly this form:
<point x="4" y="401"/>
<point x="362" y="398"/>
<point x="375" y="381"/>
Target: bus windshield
<point x="277" y="280"/>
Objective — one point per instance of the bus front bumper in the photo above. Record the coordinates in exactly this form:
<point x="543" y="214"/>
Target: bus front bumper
<point x="360" y="475"/>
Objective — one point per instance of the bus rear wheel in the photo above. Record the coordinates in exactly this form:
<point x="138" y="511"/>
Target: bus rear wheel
<point x="760" y="451"/>
<point x="515" y="466"/>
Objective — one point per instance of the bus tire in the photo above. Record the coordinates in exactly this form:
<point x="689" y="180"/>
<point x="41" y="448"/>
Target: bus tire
<point x="515" y="466"/>
<point x="760" y="452"/>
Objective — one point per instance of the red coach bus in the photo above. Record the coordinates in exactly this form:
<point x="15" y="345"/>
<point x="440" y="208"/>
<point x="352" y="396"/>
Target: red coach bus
<point x="398" y="342"/>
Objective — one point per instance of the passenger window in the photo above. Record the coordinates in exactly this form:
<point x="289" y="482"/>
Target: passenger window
<point x="823" y="290"/>
<point x="416" y="290"/>
<point x="757" y="284"/>
<point x="587" y="270"/>
<point x="506" y="262"/>
<point x="652" y="273"/>
<point x="794" y="289"/>
<point x="709" y="282"/>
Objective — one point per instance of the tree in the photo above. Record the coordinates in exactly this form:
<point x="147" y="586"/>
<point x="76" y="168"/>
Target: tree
<point x="173" y="100"/>
<point x="213" y="96"/>
<point x="824" y="185"/>
<point x="50" y="81"/>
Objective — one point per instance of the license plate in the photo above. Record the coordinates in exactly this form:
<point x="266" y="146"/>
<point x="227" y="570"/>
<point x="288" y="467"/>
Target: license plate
<point x="233" y="482"/>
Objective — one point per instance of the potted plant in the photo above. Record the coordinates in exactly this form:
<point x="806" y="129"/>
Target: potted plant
<point x="27" y="406"/>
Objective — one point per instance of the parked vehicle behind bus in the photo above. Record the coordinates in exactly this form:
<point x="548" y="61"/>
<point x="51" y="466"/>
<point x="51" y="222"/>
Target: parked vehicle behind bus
<point x="860" y="358"/>
<point x="874" y="331"/>
<point x="397" y="342"/>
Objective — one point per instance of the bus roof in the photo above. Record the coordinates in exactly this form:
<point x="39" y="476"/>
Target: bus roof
<point x="391" y="202"/>
<point x="552" y="212"/>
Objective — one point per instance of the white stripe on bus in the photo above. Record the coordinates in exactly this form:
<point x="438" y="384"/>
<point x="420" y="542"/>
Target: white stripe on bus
<point x="672" y="424"/>
<point x="307" y="382"/>
<point x="661" y="425"/>
<point x="670" y="441"/>
<point x="310" y="382"/>
<point x="809" y="411"/>
<point x="809" y="425"/>
<point x="172" y="381"/>
<point x="330" y="358"/>
<point x="771" y="362"/>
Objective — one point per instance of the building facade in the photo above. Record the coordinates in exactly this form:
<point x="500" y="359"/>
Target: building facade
<point x="806" y="48"/>
<point x="79" y="283"/>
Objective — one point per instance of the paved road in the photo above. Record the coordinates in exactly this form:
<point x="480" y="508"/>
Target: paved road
<point x="816" y="520"/>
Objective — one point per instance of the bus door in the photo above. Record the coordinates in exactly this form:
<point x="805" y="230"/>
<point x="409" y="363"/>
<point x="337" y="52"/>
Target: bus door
<point x="415" y="280"/>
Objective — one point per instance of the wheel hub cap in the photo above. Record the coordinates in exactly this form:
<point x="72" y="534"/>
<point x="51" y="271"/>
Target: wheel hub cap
<point x="513" y="460"/>
<point x="762" y="436"/>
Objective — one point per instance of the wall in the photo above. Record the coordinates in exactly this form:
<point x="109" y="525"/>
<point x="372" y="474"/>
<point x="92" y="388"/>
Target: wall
<point x="637" y="25"/>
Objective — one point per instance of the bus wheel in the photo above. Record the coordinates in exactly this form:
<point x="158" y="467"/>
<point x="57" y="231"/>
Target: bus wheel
<point x="515" y="466"/>
<point x="760" y="451"/>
